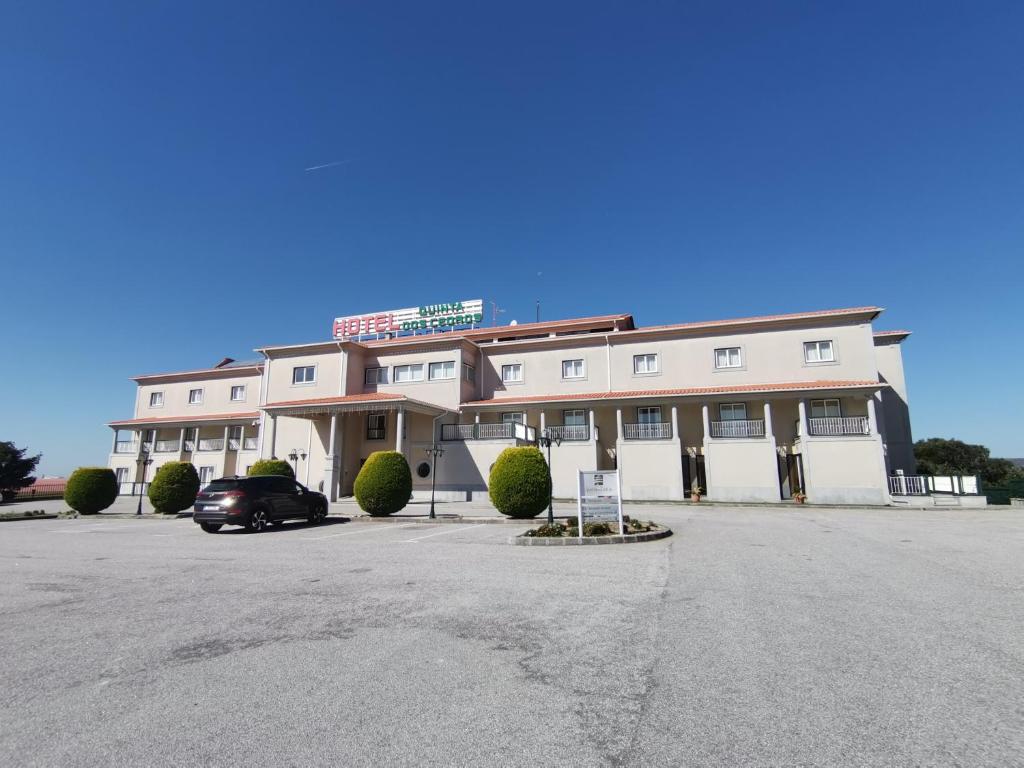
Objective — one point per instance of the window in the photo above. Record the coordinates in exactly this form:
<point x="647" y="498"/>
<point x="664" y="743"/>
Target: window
<point x="819" y="352"/>
<point x="156" y="399"/>
<point x="728" y="357"/>
<point x="122" y="475"/>
<point x="645" y="363"/>
<point x="733" y="411"/>
<point x="513" y="418"/>
<point x="649" y="414"/>
<point x="821" y="409"/>
<point x="468" y="373"/>
<point x="573" y="369"/>
<point x="375" y="376"/>
<point x="303" y="374"/>
<point x="376" y="426"/>
<point x="238" y="392"/>
<point x="205" y="476"/>
<point x="577" y="417"/>
<point x="195" y="396"/>
<point x="445" y="370"/>
<point x="405" y="373"/>
<point x="235" y="433"/>
<point x="512" y="373"/>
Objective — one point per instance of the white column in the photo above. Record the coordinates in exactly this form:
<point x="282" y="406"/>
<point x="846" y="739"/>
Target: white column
<point x="801" y="408"/>
<point x="542" y="422"/>
<point x="593" y="434"/>
<point x="181" y="443"/>
<point x="705" y="416"/>
<point x="399" y="424"/>
<point x="113" y="447"/>
<point x="675" y="422"/>
<point x="618" y="425"/>
<point x="872" y="417"/>
<point x="329" y="479"/>
<point x="273" y="436"/>
<point x="224" y="453"/>
<point x="768" y="431"/>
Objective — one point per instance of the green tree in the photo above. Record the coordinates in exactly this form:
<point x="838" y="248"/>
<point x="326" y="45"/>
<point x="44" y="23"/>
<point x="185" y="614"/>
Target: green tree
<point x="520" y="485"/>
<point x="15" y="469"/>
<point x="174" y="487"/>
<point x="939" y="456"/>
<point x="91" y="489"/>
<point x="384" y="483"/>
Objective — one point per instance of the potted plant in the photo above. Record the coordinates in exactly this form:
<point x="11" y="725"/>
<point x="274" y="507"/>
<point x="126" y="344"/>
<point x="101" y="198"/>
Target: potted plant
<point x="695" y="491"/>
<point x="800" y="497"/>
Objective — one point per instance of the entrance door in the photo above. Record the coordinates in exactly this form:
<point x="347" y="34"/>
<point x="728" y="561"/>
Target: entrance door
<point x="702" y="475"/>
<point x="791" y="475"/>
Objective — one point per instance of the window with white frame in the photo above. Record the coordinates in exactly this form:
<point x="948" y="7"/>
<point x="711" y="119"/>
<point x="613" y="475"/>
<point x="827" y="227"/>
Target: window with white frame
<point x="376" y="426"/>
<point x="375" y="376"/>
<point x="205" y="476"/>
<point x="823" y="409"/>
<point x="238" y="392"/>
<point x="513" y="418"/>
<point x="645" y="363"/>
<point x="235" y="433"/>
<point x="577" y="417"/>
<point x="441" y="371"/>
<point x="407" y="373"/>
<point x="728" y="357"/>
<point x="649" y="414"/>
<point x="468" y="373"/>
<point x="512" y="373"/>
<point x="156" y="399"/>
<point x="573" y="369"/>
<point x="195" y="396"/>
<point x="819" y="352"/>
<point x="122" y="475"/>
<point x="304" y="374"/>
<point x="732" y="411"/>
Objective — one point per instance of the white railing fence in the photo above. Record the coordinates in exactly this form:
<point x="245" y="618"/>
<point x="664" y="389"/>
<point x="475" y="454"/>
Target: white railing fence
<point x="214" y="444"/>
<point x="126" y="446"/>
<point x="569" y="431"/>
<point x="495" y="431"/>
<point x="738" y="428"/>
<point x="167" y="446"/>
<point x="924" y="485"/>
<point x="839" y="425"/>
<point x="661" y="430"/>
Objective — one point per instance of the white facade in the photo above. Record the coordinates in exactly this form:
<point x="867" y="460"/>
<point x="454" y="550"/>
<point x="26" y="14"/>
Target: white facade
<point x="752" y="409"/>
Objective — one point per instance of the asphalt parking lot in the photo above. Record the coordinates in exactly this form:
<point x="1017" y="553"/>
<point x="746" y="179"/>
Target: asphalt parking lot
<point x="751" y="637"/>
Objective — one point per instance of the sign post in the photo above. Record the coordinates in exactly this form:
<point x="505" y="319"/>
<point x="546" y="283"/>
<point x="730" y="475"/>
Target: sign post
<point x="599" y="498"/>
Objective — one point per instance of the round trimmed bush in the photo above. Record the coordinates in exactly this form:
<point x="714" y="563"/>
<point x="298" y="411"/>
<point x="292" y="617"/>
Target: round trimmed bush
<point x="384" y="483"/>
<point x="272" y="467"/>
<point x="174" y="487"/>
<point x="91" y="489"/>
<point x="519" y="485"/>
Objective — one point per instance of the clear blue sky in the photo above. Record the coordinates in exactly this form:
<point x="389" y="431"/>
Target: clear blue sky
<point x="681" y="161"/>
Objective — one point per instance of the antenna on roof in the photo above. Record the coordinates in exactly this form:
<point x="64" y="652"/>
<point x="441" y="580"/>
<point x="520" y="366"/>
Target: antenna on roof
<point x="495" y="311"/>
<point x="538" y="308"/>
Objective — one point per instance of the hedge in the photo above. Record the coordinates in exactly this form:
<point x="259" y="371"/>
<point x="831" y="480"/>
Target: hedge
<point x="272" y="467"/>
<point x="174" y="487"/>
<point x="91" y="489"/>
<point x="384" y="483"/>
<point x="520" y="485"/>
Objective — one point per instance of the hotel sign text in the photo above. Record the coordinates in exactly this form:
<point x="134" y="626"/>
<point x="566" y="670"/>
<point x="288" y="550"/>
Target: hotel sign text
<point x="454" y="314"/>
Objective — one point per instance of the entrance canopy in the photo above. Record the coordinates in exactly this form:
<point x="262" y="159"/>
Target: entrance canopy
<point x="212" y="419"/>
<point x="361" y="403"/>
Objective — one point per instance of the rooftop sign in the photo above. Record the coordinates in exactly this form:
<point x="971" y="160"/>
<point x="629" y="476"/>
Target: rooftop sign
<point x="429" y="317"/>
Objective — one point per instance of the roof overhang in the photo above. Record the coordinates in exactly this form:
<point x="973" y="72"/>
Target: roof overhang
<point x="792" y="388"/>
<point x="214" y="419"/>
<point x="890" y="337"/>
<point x="325" y="406"/>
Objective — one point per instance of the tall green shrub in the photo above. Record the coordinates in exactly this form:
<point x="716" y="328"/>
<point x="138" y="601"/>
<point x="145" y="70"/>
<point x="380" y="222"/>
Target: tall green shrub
<point x="520" y="485"/>
<point x="272" y="467"/>
<point x="91" y="489"/>
<point x="174" y="487"/>
<point x="384" y="483"/>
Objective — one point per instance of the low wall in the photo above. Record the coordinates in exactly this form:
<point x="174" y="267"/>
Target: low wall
<point x="845" y="471"/>
<point x="741" y="470"/>
<point x="651" y="470"/>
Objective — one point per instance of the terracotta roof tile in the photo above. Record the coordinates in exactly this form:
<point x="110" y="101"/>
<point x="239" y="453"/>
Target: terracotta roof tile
<point x="365" y="397"/>
<point x="791" y="386"/>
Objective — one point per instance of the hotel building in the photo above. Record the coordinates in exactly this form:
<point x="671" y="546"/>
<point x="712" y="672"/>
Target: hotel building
<point x="749" y="409"/>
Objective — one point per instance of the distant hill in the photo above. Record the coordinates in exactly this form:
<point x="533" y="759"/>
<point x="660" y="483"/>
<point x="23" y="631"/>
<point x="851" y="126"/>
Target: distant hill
<point x="1018" y="462"/>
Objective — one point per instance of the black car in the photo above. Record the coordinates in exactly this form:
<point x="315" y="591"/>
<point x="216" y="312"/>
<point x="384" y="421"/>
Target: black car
<point x="255" y="502"/>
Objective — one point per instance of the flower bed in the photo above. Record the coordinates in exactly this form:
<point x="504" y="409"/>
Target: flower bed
<point x="568" y="533"/>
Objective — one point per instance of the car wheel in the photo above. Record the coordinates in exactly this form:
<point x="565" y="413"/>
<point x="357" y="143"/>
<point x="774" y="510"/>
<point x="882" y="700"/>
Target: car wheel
<point x="211" y="527"/>
<point x="257" y="521"/>
<point x="318" y="515"/>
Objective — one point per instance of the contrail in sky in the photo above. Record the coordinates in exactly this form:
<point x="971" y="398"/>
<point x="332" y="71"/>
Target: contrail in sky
<point x="328" y="165"/>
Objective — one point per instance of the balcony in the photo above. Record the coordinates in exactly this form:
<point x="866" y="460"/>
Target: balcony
<point x="569" y="432"/>
<point x="659" y="430"/>
<point x="839" y="425"/>
<point x="126" y="446"/>
<point x="207" y="444"/>
<point x="166" y="446"/>
<point x="453" y="432"/>
<point x="738" y="428"/>
<point x="234" y="443"/>
<point x="376" y="433"/>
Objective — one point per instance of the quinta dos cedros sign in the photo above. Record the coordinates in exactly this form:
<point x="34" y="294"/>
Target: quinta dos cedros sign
<point x="429" y="317"/>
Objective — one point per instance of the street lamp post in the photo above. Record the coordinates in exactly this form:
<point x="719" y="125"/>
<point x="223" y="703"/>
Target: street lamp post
<point x="294" y="456"/>
<point x="545" y="440"/>
<point x="434" y="452"/>
<point x="143" y="461"/>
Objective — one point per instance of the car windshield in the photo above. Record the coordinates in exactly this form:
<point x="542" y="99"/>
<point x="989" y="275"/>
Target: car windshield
<point x="222" y="485"/>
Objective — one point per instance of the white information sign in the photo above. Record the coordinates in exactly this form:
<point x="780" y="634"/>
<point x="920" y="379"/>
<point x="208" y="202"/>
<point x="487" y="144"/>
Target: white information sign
<point x="599" y="498"/>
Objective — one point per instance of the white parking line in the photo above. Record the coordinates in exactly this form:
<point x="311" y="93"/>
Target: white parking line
<point x="441" y="533"/>
<point x="354" y="533"/>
